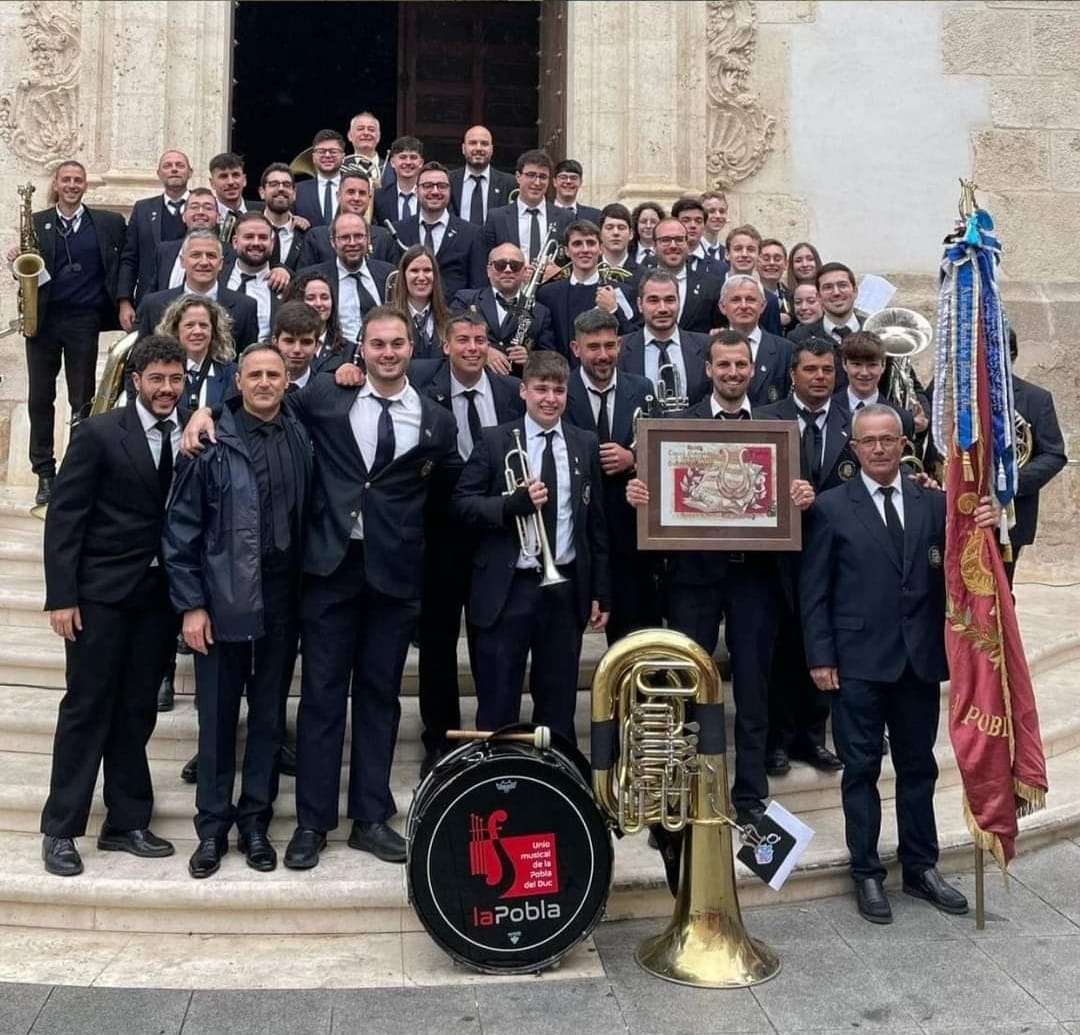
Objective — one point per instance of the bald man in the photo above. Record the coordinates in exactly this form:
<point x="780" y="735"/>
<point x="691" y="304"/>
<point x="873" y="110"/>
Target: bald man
<point x="479" y="187"/>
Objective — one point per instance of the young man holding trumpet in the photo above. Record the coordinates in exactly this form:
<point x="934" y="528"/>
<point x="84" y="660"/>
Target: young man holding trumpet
<point x="532" y="490"/>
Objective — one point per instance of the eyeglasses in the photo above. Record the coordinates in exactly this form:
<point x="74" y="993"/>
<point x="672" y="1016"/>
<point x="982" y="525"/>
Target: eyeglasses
<point x="885" y="441"/>
<point x="435" y="186"/>
<point x="671" y="240"/>
<point x="327" y="152"/>
<point x="501" y="265"/>
<point x="276" y="184"/>
<point x="537" y="176"/>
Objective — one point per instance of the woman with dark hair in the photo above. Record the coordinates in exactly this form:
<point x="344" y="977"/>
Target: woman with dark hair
<point x="643" y="222"/>
<point x="417" y="290"/>
<point x="803" y="263"/>
<point x="314" y="290"/>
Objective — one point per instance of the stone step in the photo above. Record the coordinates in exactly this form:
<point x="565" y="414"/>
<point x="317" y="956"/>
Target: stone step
<point x="16" y="504"/>
<point x="21" y="553"/>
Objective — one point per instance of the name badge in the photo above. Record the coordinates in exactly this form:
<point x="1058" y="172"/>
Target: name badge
<point x="934" y="557"/>
<point x="427" y="468"/>
<point x="846" y="469"/>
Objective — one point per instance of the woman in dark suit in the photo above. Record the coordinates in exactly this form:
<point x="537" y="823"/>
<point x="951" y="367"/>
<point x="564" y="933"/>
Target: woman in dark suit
<point x="418" y="291"/>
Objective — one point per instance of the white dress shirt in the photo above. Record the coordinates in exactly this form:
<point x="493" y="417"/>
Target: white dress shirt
<point x="563" y="547"/>
<point x="878" y="496"/>
<point x="485" y="407"/>
<point x="190" y="366"/>
<point x="468" y="185"/>
<point x="75" y="220"/>
<point x="302" y="380"/>
<point x="525" y="224"/>
<point x="335" y="186"/>
<point x="189" y="290"/>
<point x="176" y="275"/>
<point x="349" y="301"/>
<point x="716" y="408"/>
<point x="591" y="388"/>
<point x="284" y="234"/>
<point x="167" y="201"/>
<point x="414" y="201"/>
<point x="224" y="209"/>
<point x="830" y="326"/>
<point x="364" y="415"/>
<point x="675" y="354"/>
<point x="258" y="290"/>
<point x="154" y="436"/>
<point x="755" y="343"/>
<point x="854" y="401"/>
<point x="680" y="279"/>
<point x="438" y="231"/>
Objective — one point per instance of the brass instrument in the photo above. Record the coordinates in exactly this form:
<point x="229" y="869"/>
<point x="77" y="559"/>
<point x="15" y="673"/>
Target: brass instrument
<point x="227" y="227"/>
<point x="27" y="266"/>
<point x="549" y="248"/>
<point x="658" y="757"/>
<point x="392" y="231"/>
<point x="669" y="401"/>
<point x="531" y="532"/>
<point x="904" y="333"/>
<point x="1025" y="440"/>
<point x="612" y="275"/>
<point x="639" y="412"/>
<point x="111" y="383"/>
<point x="390" y="283"/>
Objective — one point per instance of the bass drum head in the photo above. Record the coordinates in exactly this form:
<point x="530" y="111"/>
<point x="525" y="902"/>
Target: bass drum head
<point x="509" y="859"/>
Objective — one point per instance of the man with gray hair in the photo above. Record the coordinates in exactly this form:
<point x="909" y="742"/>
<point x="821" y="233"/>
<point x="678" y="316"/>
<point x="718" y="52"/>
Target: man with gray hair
<point x="742" y="301"/>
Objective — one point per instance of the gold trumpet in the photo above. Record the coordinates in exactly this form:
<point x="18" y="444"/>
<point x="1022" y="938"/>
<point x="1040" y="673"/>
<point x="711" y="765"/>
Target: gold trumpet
<point x="531" y="532"/>
<point x="658" y="757"/>
<point x="27" y="267"/>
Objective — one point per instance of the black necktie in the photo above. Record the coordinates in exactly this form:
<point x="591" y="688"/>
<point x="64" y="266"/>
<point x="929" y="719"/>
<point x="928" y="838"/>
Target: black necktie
<point x="66" y="225"/>
<point x="603" y="422"/>
<point x="667" y="368"/>
<point x="176" y="207"/>
<point x="476" y="206"/>
<point x="534" y="236"/>
<point x="859" y="405"/>
<point x="420" y="329"/>
<point x="472" y="415"/>
<point x="429" y="236"/>
<point x="279" y="499"/>
<point x="291" y="387"/>
<point x="328" y="202"/>
<point x="384" y="442"/>
<point x="550" y="478"/>
<point x="737" y="415"/>
<point x="892" y="520"/>
<point x="275" y="254"/>
<point x="245" y="279"/>
<point x="712" y="252"/>
<point x="363" y="297"/>
<point x="811" y="445"/>
<point x="406" y="205"/>
<point x="841" y="333"/>
<point x="165" y="462"/>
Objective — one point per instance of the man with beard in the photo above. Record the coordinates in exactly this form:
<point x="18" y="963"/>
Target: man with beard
<point x="354" y="195"/>
<point x="699" y="292"/>
<point x="250" y="273"/>
<point x="479" y="187"/>
<point x="107" y="596"/>
<point x="278" y="192"/>
<point x="317" y="199"/>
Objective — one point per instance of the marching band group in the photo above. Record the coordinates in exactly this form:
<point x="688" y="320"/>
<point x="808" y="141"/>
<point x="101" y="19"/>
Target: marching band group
<point x="374" y="401"/>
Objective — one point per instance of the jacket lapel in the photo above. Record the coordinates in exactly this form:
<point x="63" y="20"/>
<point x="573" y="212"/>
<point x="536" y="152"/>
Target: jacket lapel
<point x="866" y="511"/>
<point x="836" y="438"/>
<point x="913" y="519"/>
<point x="766" y="358"/>
<point x="621" y="421"/>
<point x="157" y="214"/>
<point x="138" y="450"/>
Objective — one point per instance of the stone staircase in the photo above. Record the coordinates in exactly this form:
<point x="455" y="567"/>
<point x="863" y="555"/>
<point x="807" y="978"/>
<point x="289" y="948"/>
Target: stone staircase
<point x="351" y="892"/>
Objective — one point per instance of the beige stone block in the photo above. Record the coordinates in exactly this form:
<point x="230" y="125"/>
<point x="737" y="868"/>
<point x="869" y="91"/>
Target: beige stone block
<point x="1054" y="43"/>
<point x="1054" y="556"/>
<point x="981" y="42"/>
<point x="1065" y="160"/>
<point x="1012" y="158"/>
<point x="780" y="12"/>
<point x="1037" y="230"/>
<point x="775" y="215"/>
<point x="1029" y="101"/>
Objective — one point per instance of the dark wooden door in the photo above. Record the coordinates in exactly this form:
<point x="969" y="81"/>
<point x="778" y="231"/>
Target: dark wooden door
<point x="462" y="64"/>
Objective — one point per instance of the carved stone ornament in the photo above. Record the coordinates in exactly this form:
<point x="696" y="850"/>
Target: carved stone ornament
<point x="740" y="131"/>
<point x="39" y="118"/>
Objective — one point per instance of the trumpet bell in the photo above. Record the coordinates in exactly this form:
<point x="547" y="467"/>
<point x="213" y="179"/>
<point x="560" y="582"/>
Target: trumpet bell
<point x="303" y="164"/>
<point x="903" y="332"/>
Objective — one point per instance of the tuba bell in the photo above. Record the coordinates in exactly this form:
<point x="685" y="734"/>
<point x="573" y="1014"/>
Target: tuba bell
<point x="658" y="757"/>
<point x="904" y="333"/>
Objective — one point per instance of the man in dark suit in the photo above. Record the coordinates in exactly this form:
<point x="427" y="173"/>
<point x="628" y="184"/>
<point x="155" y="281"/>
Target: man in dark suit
<point x="201" y="258"/>
<point x="478" y="398"/>
<point x="742" y="301"/>
<point x="568" y="176"/>
<point x="397" y="201"/>
<point x="228" y="180"/>
<point x="690" y="211"/>
<point x="152" y="221"/>
<point x="529" y="219"/>
<point x="107" y="597"/>
<point x="249" y="273"/>
<point x="455" y="243"/>
<point x="500" y="306"/>
<point x="512" y="612"/>
<point x="479" y="187"/>
<point x="873" y="608"/>
<point x="616" y="229"/>
<point x="316" y="199"/>
<point x="1036" y="406"/>
<point x="354" y="196"/>
<point x="699" y="293"/>
<point x="200" y="213"/>
<point x="568" y="297"/>
<point x="278" y="192"/>
<point x="78" y="300"/>
<point x="715" y="204"/>
<point x="671" y="358"/>
<point x="797" y="710"/>
<point x="357" y="282"/>
<point x="603" y="400"/>
<point x="239" y="595"/>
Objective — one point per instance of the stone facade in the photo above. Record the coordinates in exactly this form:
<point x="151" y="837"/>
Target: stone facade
<point x="845" y="123"/>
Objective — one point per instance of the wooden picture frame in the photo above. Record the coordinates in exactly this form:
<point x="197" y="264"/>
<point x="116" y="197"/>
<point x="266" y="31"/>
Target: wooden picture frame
<point x="718" y="485"/>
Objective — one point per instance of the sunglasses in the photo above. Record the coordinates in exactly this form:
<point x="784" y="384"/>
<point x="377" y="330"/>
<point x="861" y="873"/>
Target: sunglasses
<point x="515" y="265"/>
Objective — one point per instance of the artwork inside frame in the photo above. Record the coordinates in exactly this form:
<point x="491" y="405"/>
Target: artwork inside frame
<point x="718" y="485"/>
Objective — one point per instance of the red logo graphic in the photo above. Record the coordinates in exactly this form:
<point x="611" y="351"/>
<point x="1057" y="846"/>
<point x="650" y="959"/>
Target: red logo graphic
<point x="517" y="866"/>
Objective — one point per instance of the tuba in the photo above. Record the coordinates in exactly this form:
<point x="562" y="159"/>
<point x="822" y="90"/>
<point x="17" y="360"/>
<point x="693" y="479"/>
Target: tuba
<point x="904" y="333"/>
<point x="27" y="266"/>
<point x="658" y="757"/>
<point x="111" y="382"/>
<point x="1024" y="439"/>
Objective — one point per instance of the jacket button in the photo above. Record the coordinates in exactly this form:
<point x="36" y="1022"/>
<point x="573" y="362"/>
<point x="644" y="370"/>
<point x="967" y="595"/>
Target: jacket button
<point x="367" y="485"/>
<point x="353" y="514"/>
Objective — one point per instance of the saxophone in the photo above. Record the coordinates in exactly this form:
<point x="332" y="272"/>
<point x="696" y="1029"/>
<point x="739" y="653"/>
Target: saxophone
<point x="27" y="266"/>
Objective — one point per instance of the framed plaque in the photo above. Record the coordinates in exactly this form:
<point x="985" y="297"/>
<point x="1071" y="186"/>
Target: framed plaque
<point x="718" y="485"/>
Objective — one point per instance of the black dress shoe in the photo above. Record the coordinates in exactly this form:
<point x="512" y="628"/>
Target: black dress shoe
<point x="380" y="839"/>
<point x="44" y="491"/>
<point x="143" y="843"/>
<point x="190" y="772"/>
<point x="166" y="695"/>
<point x="750" y="816"/>
<point x="669" y="843"/>
<point x="303" y="849"/>
<point x="930" y="886"/>
<point x="820" y="758"/>
<point x="259" y="851"/>
<point x="872" y="901"/>
<point x="61" y="857"/>
<point x="286" y="759"/>
<point x="777" y="762"/>
<point x="206" y="859"/>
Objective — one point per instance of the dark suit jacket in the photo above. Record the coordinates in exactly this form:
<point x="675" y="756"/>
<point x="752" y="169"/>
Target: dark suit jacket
<point x="165" y="259"/>
<point x="540" y="330"/>
<point x="137" y="260"/>
<point x="291" y="260"/>
<point x="840" y="399"/>
<point x="243" y="310"/>
<point x="103" y="525"/>
<point x="556" y="295"/>
<point x="700" y="312"/>
<point x="694" y="350"/>
<point x="392" y="502"/>
<point x="479" y="504"/>
<point x="309" y="201"/>
<point x="461" y="257"/>
<point x="328" y="272"/>
<point x="504" y="391"/>
<point x="499" y="188"/>
<point x="1036" y="406"/>
<point x="805" y="331"/>
<point x="110" y="231"/>
<point x="772" y="370"/>
<point x="863" y="610"/>
<point x="502" y="226"/>
<point x="385" y="204"/>
<point x="580" y="211"/>
<point x="839" y="463"/>
<point x="316" y="247"/>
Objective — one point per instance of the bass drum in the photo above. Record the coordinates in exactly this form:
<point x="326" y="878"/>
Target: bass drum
<point x="509" y="857"/>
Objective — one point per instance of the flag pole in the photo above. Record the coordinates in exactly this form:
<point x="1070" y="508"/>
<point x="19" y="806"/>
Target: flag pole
<point x="980" y="899"/>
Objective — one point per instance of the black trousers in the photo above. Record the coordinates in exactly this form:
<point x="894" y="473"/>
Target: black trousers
<point x="543" y="622"/>
<point x="71" y="337"/>
<point x="110" y="709"/>
<point x="798" y="710"/>
<point x="862" y="711"/>
<point x="351" y="634"/>
<point x="747" y="599"/>
<point x="636" y="601"/>
<point x="261" y="670"/>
